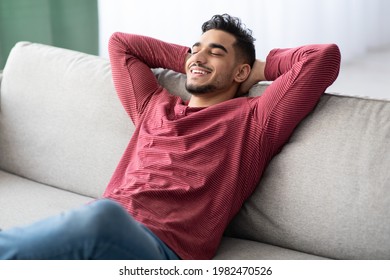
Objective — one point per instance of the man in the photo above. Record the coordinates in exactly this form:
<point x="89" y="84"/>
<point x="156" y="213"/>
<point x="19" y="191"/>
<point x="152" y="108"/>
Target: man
<point x="189" y="165"/>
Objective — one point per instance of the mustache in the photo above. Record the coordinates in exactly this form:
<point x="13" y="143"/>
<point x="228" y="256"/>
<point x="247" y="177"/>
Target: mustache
<point x="200" y="65"/>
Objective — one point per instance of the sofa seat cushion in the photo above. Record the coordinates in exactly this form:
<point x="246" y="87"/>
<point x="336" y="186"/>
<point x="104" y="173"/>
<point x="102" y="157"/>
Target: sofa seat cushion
<point x="241" y="249"/>
<point x="23" y="201"/>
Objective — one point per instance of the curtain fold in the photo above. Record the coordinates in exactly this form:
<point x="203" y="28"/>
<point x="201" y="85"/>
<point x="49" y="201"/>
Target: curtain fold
<point x="71" y="24"/>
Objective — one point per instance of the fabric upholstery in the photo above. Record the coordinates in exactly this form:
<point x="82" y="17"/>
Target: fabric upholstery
<point x="328" y="191"/>
<point x="61" y="123"/>
<point x="23" y="201"/>
<point x="241" y="249"/>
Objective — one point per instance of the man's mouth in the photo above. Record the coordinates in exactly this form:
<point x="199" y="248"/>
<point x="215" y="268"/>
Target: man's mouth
<point x="199" y="72"/>
<point x="196" y="70"/>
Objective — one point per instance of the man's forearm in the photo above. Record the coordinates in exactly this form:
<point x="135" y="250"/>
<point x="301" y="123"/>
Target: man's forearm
<point x="132" y="57"/>
<point x="152" y="52"/>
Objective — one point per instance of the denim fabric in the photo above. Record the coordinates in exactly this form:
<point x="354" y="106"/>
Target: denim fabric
<point x="101" y="230"/>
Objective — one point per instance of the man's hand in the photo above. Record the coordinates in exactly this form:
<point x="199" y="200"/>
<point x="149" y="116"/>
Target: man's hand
<point x="256" y="75"/>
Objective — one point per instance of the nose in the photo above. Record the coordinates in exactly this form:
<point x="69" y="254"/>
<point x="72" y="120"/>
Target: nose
<point x="199" y="57"/>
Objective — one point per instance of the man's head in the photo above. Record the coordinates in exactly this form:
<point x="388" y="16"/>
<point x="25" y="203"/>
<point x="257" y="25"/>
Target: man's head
<point x="244" y="45"/>
<point x="222" y="59"/>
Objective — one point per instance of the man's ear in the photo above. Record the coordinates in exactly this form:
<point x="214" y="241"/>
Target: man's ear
<point x="242" y="73"/>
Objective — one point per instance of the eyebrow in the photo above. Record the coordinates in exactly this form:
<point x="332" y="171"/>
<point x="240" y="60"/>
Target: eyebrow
<point x="212" y="46"/>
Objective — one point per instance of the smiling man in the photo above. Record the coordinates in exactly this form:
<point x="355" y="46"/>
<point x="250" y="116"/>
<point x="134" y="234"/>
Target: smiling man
<point x="190" y="165"/>
<point x="214" y="69"/>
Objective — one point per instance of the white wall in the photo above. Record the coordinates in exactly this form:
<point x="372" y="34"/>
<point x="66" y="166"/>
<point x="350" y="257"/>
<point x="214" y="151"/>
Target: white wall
<point x="355" y="25"/>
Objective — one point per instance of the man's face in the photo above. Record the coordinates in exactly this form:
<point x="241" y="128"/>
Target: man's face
<point x="212" y="64"/>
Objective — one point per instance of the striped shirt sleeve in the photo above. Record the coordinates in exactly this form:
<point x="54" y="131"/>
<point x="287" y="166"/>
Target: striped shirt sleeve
<point x="300" y="76"/>
<point x="132" y="57"/>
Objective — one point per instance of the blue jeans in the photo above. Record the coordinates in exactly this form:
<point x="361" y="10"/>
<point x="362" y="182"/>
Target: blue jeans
<point x="101" y="230"/>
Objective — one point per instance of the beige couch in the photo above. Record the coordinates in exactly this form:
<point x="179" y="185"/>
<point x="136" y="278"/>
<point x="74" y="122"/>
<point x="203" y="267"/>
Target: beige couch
<point x="63" y="130"/>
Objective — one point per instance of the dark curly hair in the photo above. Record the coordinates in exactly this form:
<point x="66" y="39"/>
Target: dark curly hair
<point x="244" y="41"/>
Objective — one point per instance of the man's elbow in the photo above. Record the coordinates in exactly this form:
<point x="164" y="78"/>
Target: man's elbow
<point x="115" y="44"/>
<point x="330" y="59"/>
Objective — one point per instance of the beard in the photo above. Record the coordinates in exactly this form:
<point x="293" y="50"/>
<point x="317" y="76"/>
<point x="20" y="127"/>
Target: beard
<point x="199" y="89"/>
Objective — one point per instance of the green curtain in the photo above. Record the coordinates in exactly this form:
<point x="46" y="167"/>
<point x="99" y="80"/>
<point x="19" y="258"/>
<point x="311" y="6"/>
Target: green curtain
<point x="71" y="24"/>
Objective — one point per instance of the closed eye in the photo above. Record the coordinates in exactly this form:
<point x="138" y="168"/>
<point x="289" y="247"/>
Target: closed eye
<point x="216" y="53"/>
<point x="218" y="47"/>
<point x="215" y="49"/>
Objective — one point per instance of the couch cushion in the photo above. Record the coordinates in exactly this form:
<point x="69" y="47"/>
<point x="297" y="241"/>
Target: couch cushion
<point x="328" y="192"/>
<point x="23" y="201"/>
<point x="61" y="122"/>
<point x="240" y="249"/>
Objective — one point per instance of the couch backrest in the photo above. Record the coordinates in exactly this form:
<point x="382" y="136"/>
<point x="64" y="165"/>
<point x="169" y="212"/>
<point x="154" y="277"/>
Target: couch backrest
<point x="61" y="123"/>
<point x="328" y="191"/>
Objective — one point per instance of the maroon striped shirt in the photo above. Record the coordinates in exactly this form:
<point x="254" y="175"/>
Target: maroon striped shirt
<point x="187" y="171"/>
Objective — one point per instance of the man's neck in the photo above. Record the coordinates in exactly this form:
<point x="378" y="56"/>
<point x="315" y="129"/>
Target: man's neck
<point x="208" y="99"/>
